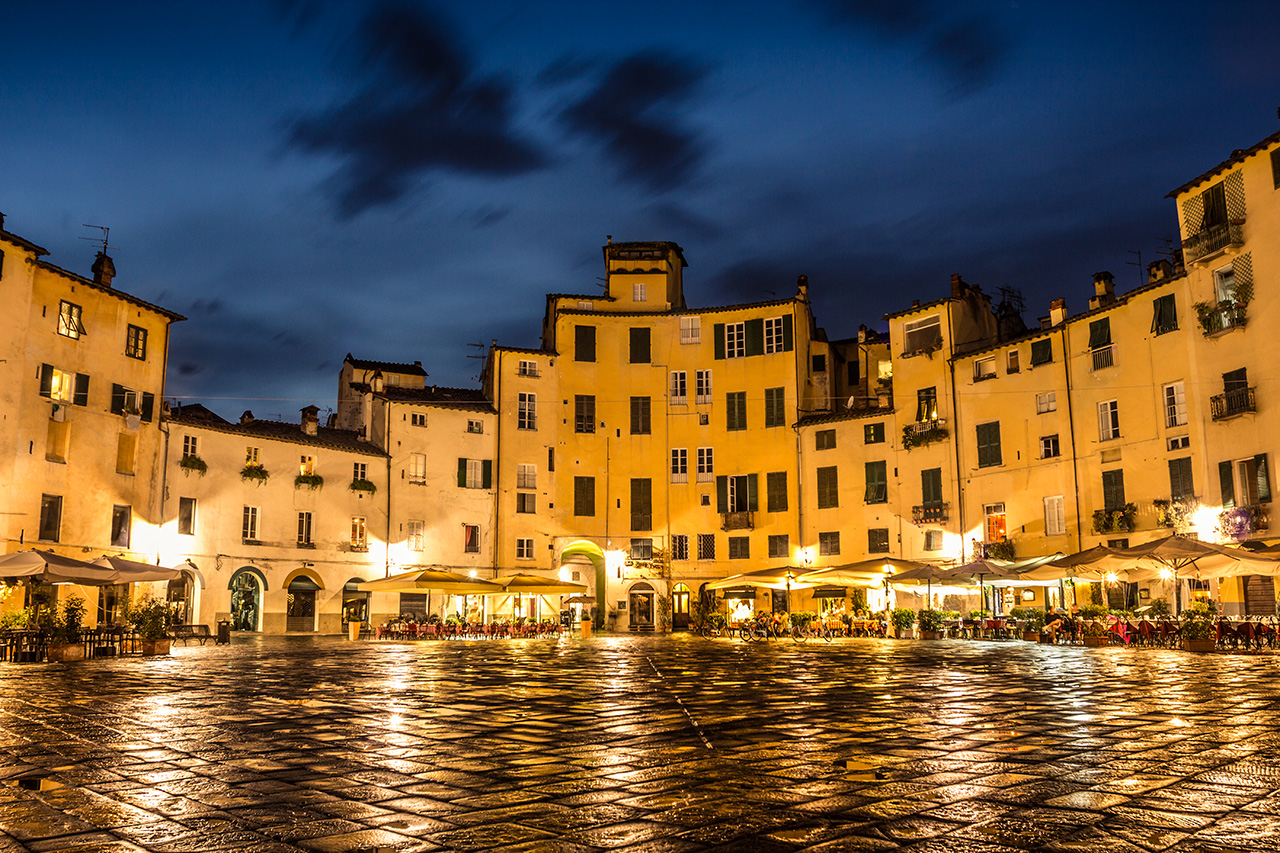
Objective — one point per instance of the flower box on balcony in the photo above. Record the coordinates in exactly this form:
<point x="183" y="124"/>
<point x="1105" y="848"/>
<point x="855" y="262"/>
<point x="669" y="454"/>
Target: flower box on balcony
<point x="1115" y="520"/>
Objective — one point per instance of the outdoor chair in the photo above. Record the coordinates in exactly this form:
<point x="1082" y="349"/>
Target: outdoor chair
<point x="1227" y="634"/>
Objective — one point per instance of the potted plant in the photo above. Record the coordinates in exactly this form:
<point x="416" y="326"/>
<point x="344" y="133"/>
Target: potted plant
<point x="311" y="481"/>
<point x="193" y="463"/>
<point x="1095" y="633"/>
<point x="903" y="619"/>
<point x="930" y="624"/>
<point x="64" y="631"/>
<point x="254" y="471"/>
<point x="1032" y="619"/>
<point x="1199" y="634"/>
<point x="1159" y="607"/>
<point x="363" y="486"/>
<point x="150" y="619"/>
<point x="1001" y="550"/>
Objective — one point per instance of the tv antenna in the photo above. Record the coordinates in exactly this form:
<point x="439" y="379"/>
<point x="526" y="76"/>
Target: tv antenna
<point x="1142" y="278"/>
<point x="103" y="240"/>
<point x="601" y="283"/>
<point x="1012" y="297"/>
<point x="481" y="354"/>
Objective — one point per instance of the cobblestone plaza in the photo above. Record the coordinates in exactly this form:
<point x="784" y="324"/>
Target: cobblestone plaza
<point x="641" y="743"/>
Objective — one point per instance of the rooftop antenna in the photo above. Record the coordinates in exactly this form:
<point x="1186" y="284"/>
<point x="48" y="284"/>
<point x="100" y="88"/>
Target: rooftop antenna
<point x="772" y="293"/>
<point x="601" y="282"/>
<point x="1012" y="296"/>
<point x="1142" y="276"/>
<point x="1167" y="251"/>
<point x="103" y="240"/>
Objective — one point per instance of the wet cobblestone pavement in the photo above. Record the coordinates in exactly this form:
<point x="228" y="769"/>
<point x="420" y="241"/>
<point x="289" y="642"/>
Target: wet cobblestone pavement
<point x="654" y="743"/>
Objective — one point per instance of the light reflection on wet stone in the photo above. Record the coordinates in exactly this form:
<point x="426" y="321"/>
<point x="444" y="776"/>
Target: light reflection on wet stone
<point x="290" y="744"/>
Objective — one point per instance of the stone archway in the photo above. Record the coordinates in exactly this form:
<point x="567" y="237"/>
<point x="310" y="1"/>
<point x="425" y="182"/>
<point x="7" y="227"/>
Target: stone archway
<point x="248" y="587"/>
<point x="594" y="553"/>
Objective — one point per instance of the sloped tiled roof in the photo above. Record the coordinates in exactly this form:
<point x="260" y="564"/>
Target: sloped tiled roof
<point x="26" y="244"/>
<point x="1237" y="156"/>
<point x="385" y="366"/>
<point x="334" y="439"/>
<point x="470" y="399"/>
<point x="102" y="288"/>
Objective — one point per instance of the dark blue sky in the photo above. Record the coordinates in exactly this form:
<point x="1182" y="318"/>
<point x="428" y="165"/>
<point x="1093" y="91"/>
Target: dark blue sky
<point x="304" y="179"/>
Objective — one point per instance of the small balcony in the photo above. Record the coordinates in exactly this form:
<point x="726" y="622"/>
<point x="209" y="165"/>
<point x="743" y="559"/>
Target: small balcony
<point x="1221" y="317"/>
<point x="924" y="432"/>
<point x="1104" y="357"/>
<point x="1242" y="522"/>
<point x="738" y="520"/>
<point x="1213" y="240"/>
<point x="1229" y="404"/>
<point x="934" y="512"/>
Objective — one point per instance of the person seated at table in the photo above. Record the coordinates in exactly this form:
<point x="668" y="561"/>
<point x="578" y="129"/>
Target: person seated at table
<point x="1056" y="623"/>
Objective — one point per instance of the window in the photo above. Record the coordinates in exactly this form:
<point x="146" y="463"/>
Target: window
<point x="706" y="464"/>
<point x="50" y="517"/>
<point x="776" y="491"/>
<point x="125" y="401"/>
<point x="639" y="346"/>
<point x="69" y="320"/>
<point x="526" y="476"/>
<point x="984" y="368"/>
<point x="922" y="335"/>
<point x="933" y="540"/>
<point x="475" y="427"/>
<point x="527" y="368"/>
<point x="306" y="465"/>
<point x="873" y="433"/>
<point x="121" y="525"/>
<point x="418" y="419"/>
<point x="702" y="386"/>
<point x="471" y="539"/>
<point x="931" y="487"/>
<point x="641" y="503"/>
<point x="680" y="546"/>
<point x="64" y="387"/>
<point x="249" y="524"/>
<point x="135" y="343"/>
<point x="251" y="456"/>
<point x="736" y="494"/>
<point x="775" y="410"/>
<point x="584" y="413"/>
<point x="1179" y="442"/>
<point x="586" y="306"/>
<point x="526" y="503"/>
<point x="126" y="449"/>
<point x="1055" y="519"/>
<point x="584" y="496"/>
<point x="1011" y="362"/>
<point x="779" y="547"/>
<point x="584" y="343"/>
<point x="1254" y="481"/>
<point x="639" y="292"/>
<point x="190" y="446"/>
<point x="773" y="340"/>
<point x="736" y="410"/>
<point x="994" y="522"/>
<point x="1181" y="486"/>
<point x="1224" y="284"/>
<point x="690" y="330"/>
<point x="706" y="546"/>
<point x="679" y="465"/>
<point x="1112" y="490"/>
<point x="1108" y="420"/>
<point x="927" y="404"/>
<point x="878" y="540"/>
<point x="877" y="491"/>
<point x="1049" y="447"/>
<point x="475" y="473"/>
<point x="1275" y="168"/>
<point x="1100" y="343"/>
<point x="1046" y="402"/>
<point x="739" y="548"/>
<point x="735" y="340"/>
<point x="1165" y="315"/>
<point x="359" y="471"/>
<point x="415" y="538"/>
<point x="829" y="544"/>
<point x="640" y="421"/>
<point x="989" y="445"/>
<point x="551" y="459"/>
<point x="828" y="487"/>
<point x="679" y="388"/>
<point x="304" y="530"/>
<point x="417" y="471"/>
<point x="1175" y="405"/>
<point x="524" y="549"/>
<point x="187" y="516"/>
<point x="824" y="439"/>
<point x="527" y="411"/>
<point x="1041" y="352"/>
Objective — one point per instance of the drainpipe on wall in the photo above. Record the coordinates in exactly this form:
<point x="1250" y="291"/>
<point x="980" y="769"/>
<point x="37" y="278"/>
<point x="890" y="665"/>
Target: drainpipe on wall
<point x="956" y="433"/>
<point x="386" y="448"/>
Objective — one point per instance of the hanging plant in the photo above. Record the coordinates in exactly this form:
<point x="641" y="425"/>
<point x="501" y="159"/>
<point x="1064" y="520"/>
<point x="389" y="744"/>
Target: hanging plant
<point x="193" y="463"/>
<point x="254" y="472"/>
<point x="363" y="486"/>
<point x="311" y="481"/>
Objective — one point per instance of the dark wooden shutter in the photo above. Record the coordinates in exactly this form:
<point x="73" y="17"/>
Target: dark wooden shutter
<point x="1041" y="352"/>
<point x="1180" y="484"/>
<point x="717" y="333"/>
<point x="1113" y="490"/>
<point x="1264" y="478"/>
<point x="753" y="497"/>
<point x="776" y="487"/>
<point x="117" y="399"/>
<point x="486" y="474"/>
<point x="722" y="494"/>
<point x="584" y="343"/>
<point x="462" y="473"/>
<point x="148" y="405"/>
<point x="46" y="380"/>
<point x="788" y="334"/>
<point x="1227" y="482"/>
<point x="82" y="391"/>
<point x="639" y="346"/>
<point x="931" y="486"/>
<point x="754" y="332"/>
<point x="1100" y="333"/>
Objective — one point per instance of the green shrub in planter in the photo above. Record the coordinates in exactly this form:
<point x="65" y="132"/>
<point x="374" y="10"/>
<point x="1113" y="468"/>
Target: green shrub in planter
<point x="1093" y="611"/>
<point x="902" y="618"/>
<point x="150" y="618"/>
<point x="930" y="620"/>
<point x="69" y="622"/>
<point x="1198" y="621"/>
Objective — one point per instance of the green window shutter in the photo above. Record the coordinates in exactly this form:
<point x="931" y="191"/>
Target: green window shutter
<point x="46" y="380"/>
<point x="753" y="497"/>
<point x="584" y="343"/>
<point x="1100" y="333"/>
<point x="1041" y="352"/>
<point x="1264" y="478"/>
<point x="148" y="403"/>
<point x="931" y="486"/>
<point x="82" y="391"/>
<point x="788" y="334"/>
<point x="486" y="474"/>
<point x="722" y="494"/>
<point x="1165" y="315"/>
<point x="1180" y="483"/>
<point x="1228" y="485"/>
<point x="717" y="334"/>
<point x="462" y="473"/>
<point x="776" y="488"/>
<point x="754" y="333"/>
<point x="639" y="345"/>
<point x="117" y="399"/>
<point x="989" y="453"/>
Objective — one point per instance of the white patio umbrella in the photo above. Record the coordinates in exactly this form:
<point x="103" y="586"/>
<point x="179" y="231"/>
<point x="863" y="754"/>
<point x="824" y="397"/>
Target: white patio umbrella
<point x="131" y="571"/>
<point x="48" y="567"/>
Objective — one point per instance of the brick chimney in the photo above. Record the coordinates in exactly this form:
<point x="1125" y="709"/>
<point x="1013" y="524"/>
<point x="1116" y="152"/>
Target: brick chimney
<point x="802" y="288"/>
<point x="310" y="419"/>
<point x="104" y="269"/>
<point x="1104" y="290"/>
<point x="1159" y="271"/>
<point x="246" y="417"/>
<point x="1057" y="312"/>
<point x="958" y="286"/>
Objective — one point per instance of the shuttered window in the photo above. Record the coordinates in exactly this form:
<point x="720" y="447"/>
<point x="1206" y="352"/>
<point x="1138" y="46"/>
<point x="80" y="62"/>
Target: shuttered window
<point x="641" y="503"/>
<point x="640" y="422"/>
<point x="736" y="410"/>
<point x="584" y="496"/>
<point x="1041" y="352"/>
<point x="584" y="343"/>
<point x="639" y="346"/>
<point x="1165" y="318"/>
<point x="1055" y="523"/>
<point x="775" y="411"/>
<point x="828" y="488"/>
<point x="989" y="453"/>
<point x="776" y="488"/>
<point x="877" y="491"/>
<point x="931" y="487"/>
<point x="1112" y="490"/>
<point x="1100" y="333"/>
<point x="1180" y="485"/>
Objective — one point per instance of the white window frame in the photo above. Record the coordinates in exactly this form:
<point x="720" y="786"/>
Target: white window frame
<point x="1044" y="446"/>
<point x="417" y="470"/>
<point x="690" y="330"/>
<point x="679" y="464"/>
<point x="913" y="327"/>
<point x="1055" y="519"/>
<point x="69" y="320"/>
<point x="1175" y="404"/>
<point x="359" y="470"/>
<point x="990" y="512"/>
<point x="679" y="388"/>
<point x="1108" y="420"/>
<point x="1224" y="284"/>
<point x="526" y="476"/>
<point x="527" y="368"/>
<point x="415" y="535"/>
<point x="195" y="509"/>
<point x="527" y="413"/>
<point x="251" y="456"/>
<point x="524" y="549"/>
<point x="467" y="530"/>
<point x="984" y="368"/>
<point x="639" y="292"/>
<point x="702" y="387"/>
<point x="475" y="474"/>
<point x="706" y="460"/>
<point x="475" y="427"/>
<point x="773" y="340"/>
<point x="1046" y="402"/>
<point x="735" y="340"/>
<point x="526" y="503"/>
<point x="190" y="446"/>
<point x="1012" y="362"/>
<point x="306" y="464"/>
<point x="306" y="529"/>
<point x="251" y="520"/>
<point x="418" y="419"/>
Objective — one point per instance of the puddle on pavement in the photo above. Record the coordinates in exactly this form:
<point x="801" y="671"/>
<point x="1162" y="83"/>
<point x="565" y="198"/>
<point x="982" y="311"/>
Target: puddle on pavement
<point x="34" y="783"/>
<point x="860" y="771"/>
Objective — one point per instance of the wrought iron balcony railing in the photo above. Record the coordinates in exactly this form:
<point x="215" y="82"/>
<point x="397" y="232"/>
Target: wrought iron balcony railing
<point x="1231" y="403"/>
<point x="1222" y="316"/>
<point x="930" y="512"/>
<point x="1212" y="240"/>
<point x="1104" y="357"/>
<point x="738" y="521"/>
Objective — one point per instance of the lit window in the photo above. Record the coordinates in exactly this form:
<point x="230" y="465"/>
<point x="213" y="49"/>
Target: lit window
<point x="359" y="534"/>
<point x="135" y="344"/>
<point x="416" y="535"/>
<point x="524" y="549"/>
<point x="251" y="456"/>
<point x="69" y="320"/>
<point x="307" y="465"/>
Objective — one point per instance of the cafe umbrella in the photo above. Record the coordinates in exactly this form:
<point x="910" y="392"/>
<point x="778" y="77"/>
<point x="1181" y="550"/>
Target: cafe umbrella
<point x="131" y="571"/>
<point x="526" y="584"/>
<point x="47" y="567"/>
<point x="431" y="580"/>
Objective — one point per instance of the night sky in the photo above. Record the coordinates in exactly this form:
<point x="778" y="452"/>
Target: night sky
<point x="402" y="181"/>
